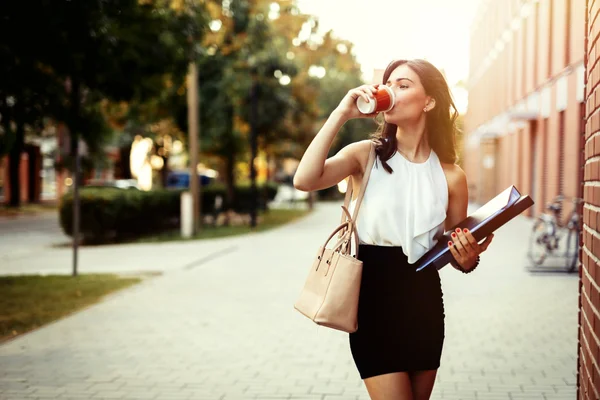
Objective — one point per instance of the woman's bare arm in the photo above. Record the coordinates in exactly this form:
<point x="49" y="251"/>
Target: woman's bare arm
<point x="464" y="247"/>
<point x="315" y="171"/>
<point x="458" y="195"/>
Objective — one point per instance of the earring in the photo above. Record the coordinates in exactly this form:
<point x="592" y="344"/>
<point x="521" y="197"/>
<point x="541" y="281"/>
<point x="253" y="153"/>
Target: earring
<point x="425" y="109"/>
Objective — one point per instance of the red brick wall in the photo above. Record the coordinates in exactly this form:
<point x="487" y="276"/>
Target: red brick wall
<point x="589" y="317"/>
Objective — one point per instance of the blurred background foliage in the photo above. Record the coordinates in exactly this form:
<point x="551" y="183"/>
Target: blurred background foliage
<point x="110" y="70"/>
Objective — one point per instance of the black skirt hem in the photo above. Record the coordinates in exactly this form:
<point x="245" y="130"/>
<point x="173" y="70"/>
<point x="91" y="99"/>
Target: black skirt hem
<point x="413" y="368"/>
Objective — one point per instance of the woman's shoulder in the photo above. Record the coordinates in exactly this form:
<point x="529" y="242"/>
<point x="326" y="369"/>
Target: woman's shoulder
<point x="360" y="147"/>
<point x="360" y="151"/>
<point x="456" y="177"/>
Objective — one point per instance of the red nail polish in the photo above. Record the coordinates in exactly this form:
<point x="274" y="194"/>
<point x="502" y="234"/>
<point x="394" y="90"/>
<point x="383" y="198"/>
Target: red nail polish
<point x="457" y="229"/>
<point x="450" y="244"/>
<point x="465" y="230"/>
<point x="453" y="234"/>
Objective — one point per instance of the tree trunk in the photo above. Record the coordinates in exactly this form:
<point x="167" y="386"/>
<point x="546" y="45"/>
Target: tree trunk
<point x="74" y="131"/>
<point x="230" y="180"/>
<point x="229" y="166"/>
<point x="253" y="151"/>
<point x="164" y="172"/>
<point x="123" y="171"/>
<point x="269" y="159"/>
<point x="14" y="164"/>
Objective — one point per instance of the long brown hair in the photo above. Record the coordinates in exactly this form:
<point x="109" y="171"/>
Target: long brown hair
<point x="440" y="124"/>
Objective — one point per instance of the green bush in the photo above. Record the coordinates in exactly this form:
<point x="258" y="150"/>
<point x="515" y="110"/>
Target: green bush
<point x="330" y="194"/>
<point x="109" y="214"/>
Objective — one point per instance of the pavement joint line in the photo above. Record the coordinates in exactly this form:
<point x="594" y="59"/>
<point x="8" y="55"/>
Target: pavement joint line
<point x="210" y="257"/>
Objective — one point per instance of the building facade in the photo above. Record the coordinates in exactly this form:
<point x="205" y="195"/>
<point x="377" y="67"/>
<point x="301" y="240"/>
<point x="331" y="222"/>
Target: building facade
<point x="534" y="121"/>
<point x="526" y="99"/>
<point x="39" y="178"/>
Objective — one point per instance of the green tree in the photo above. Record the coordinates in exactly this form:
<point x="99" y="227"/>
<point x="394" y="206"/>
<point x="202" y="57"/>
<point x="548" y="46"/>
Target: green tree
<point x="94" y="50"/>
<point x="235" y="53"/>
<point x="327" y="70"/>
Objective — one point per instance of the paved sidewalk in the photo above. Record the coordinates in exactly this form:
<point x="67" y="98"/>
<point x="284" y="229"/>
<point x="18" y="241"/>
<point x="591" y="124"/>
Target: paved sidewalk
<point x="223" y="327"/>
<point x="37" y="245"/>
<point x="19" y="235"/>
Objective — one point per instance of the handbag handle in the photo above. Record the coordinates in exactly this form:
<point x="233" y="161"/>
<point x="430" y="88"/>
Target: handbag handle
<point x="338" y="245"/>
<point x="353" y="230"/>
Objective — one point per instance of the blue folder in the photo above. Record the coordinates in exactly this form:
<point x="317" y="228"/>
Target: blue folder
<point x="494" y="214"/>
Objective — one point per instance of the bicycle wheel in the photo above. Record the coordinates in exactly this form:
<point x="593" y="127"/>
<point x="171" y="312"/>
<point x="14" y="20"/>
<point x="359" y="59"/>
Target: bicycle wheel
<point x="572" y="250"/>
<point x="537" y="244"/>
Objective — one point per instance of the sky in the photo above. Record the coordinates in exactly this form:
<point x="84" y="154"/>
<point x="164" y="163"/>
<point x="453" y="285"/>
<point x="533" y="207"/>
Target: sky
<point x="382" y="30"/>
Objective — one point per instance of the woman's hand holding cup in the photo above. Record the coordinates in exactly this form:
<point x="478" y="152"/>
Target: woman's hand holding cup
<point x="347" y="106"/>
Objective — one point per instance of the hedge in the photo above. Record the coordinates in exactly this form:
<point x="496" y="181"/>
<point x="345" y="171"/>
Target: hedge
<point x="109" y="214"/>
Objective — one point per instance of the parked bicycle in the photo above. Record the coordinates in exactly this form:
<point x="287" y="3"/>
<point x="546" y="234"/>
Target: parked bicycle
<point x="549" y="230"/>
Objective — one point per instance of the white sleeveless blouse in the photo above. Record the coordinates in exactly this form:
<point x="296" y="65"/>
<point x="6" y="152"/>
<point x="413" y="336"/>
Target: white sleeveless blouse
<point x="406" y="208"/>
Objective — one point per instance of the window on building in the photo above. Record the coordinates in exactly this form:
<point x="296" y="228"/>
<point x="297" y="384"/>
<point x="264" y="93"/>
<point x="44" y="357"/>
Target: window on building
<point x="536" y="41"/>
<point x="534" y="151"/>
<point x="544" y="155"/>
<point x="568" y="33"/>
<point x="551" y="37"/>
<point x="523" y="67"/>
<point x="561" y="152"/>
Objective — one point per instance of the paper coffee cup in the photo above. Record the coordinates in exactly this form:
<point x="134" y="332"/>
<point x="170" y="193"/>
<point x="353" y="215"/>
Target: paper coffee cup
<point x="383" y="101"/>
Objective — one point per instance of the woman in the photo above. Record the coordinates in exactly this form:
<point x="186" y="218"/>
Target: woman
<point x="415" y="193"/>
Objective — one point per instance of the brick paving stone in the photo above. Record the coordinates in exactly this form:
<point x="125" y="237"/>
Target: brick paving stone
<point x="492" y="396"/>
<point x="570" y="394"/>
<point x="227" y="328"/>
<point x="109" y="395"/>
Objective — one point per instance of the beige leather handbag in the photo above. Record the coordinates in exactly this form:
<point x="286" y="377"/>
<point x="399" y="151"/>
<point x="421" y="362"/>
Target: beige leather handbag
<point x="330" y="294"/>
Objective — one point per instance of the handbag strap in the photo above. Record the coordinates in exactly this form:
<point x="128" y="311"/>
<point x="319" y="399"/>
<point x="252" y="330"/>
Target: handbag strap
<point x="351" y="220"/>
<point x="363" y="187"/>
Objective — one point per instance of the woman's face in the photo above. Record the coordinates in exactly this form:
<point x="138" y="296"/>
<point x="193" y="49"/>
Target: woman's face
<point x="411" y="98"/>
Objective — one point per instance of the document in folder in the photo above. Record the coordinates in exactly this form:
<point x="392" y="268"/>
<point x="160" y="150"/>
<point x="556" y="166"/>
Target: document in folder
<point x="481" y="223"/>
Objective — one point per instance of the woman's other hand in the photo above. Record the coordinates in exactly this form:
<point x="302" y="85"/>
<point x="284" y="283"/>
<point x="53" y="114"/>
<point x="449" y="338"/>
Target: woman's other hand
<point x="465" y="248"/>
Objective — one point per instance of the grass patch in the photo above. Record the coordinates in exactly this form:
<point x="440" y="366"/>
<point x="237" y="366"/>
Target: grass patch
<point x="30" y="301"/>
<point x="268" y="220"/>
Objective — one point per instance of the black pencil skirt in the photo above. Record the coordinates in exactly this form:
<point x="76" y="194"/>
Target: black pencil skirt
<point x="400" y="315"/>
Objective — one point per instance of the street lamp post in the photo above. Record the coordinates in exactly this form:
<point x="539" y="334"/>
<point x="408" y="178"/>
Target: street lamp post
<point x="193" y="128"/>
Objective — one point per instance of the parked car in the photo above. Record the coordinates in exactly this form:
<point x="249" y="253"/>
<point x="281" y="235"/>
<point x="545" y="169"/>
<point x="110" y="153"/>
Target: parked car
<point x="181" y="179"/>
<point x="115" y="183"/>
